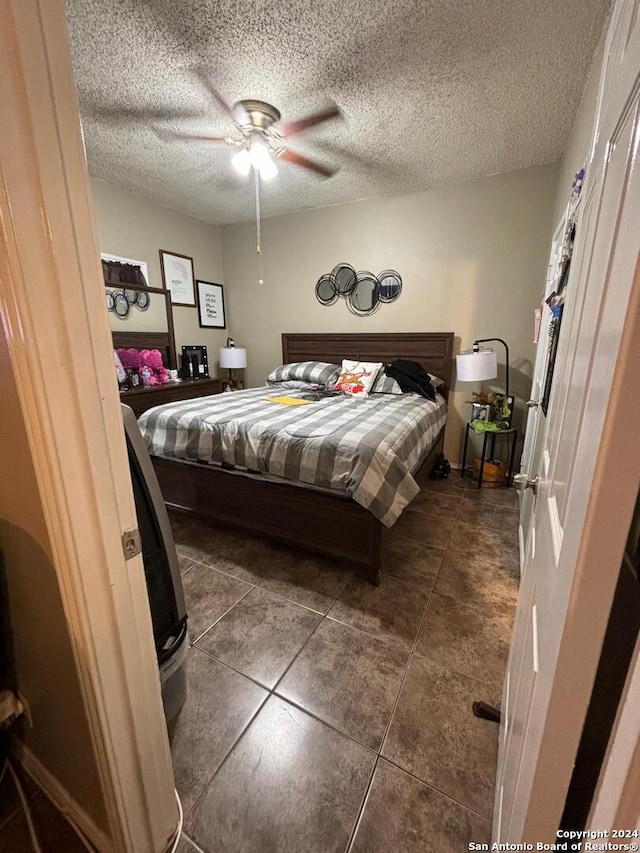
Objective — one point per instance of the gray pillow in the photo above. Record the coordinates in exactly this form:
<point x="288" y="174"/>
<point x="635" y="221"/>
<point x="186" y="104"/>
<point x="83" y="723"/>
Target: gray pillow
<point x="313" y="372"/>
<point x="387" y="384"/>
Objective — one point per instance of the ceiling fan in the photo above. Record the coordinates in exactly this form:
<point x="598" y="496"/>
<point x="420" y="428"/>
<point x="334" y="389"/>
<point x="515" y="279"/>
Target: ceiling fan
<point x="261" y="136"/>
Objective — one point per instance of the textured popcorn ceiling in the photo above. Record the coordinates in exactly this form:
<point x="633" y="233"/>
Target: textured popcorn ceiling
<point x="432" y="91"/>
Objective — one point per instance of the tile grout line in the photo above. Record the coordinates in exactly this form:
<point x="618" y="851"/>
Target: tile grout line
<point x="412" y="652"/>
<point x="432" y="787"/>
<point x="200" y="636"/>
<point x="363" y="805"/>
<point x="224" y="760"/>
<point x="331" y="726"/>
<point x="409" y="659"/>
<point x="195" y="846"/>
<point x="296" y="656"/>
<point x="389" y="643"/>
<point x="450" y="668"/>
<point x="297" y="603"/>
<point x="232" y="668"/>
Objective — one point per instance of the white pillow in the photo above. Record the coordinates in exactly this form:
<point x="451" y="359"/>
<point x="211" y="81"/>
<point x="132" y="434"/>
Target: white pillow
<point x="357" y="377"/>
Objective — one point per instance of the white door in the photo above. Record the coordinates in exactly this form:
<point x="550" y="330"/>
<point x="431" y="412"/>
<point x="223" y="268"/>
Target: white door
<point x="536" y="418"/>
<point x="565" y="595"/>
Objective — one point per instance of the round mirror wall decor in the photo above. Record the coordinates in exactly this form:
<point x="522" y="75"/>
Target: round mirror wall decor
<point x="142" y="300"/>
<point x="110" y="301"/>
<point x="121" y="306"/>
<point x="345" y="278"/>
<point x="132" y="295"/>
<point x="390" y="285"/>
<point x="363" y="292"/>
<point x="364" y="299"/>
<point x="326" y="290"/>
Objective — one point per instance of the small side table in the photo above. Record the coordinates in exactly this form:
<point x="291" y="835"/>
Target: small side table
<point x="492" y="436"/>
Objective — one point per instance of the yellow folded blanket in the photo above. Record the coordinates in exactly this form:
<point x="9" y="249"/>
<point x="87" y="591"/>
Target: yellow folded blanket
<point x="289" y="401"/>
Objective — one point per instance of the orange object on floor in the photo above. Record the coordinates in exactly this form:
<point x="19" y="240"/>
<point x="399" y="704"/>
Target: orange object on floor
<point x="494" y="473"/>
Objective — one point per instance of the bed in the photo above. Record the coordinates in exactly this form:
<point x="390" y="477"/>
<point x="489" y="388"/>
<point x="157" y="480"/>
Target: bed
<point x="301" y="513"/>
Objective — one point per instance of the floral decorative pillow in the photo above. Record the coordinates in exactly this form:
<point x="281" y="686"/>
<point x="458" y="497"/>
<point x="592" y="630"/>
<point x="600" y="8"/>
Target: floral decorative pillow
<point x="313" y="372"/>
<point x="357" y="377"/>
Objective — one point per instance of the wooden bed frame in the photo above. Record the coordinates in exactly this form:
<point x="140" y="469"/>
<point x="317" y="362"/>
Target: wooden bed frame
<point x="331" y="524"/>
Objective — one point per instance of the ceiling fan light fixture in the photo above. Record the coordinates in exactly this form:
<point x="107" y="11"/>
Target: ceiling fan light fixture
<point x="261" y="159"/>
<point x="241" y="162"/>
<point x="268" y="170"/>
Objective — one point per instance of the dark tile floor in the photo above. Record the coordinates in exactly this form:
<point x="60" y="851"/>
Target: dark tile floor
<point x="326" y="714"/>
<point x="54" y="833"/>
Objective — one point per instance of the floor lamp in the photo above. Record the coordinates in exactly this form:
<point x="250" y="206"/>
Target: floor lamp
<point x="476" y="365"/>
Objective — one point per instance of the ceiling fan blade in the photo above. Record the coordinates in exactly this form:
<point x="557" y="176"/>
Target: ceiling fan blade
<point x="299" y="160"/>
<point x="165" y="133"/>
<point x="122" y="114"/>
<point x="237" y="114"/>
<point x="292" y="128"/>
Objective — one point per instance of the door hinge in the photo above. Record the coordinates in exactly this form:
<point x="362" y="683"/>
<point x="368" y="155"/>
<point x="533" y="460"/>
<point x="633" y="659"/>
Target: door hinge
<point x="131" y="543"/>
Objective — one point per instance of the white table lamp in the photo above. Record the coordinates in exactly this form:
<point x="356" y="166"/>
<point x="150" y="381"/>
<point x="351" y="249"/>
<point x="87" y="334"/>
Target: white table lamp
<point x="233" y="358"/>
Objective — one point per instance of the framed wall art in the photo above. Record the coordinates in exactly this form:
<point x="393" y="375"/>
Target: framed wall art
<point x="178" y="277"/>
<point x="211" y="305"/>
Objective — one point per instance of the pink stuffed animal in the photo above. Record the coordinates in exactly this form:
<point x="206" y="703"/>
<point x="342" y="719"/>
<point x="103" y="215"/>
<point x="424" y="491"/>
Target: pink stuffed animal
<point x="130" y="359"/>
<point x="152" y="358"/>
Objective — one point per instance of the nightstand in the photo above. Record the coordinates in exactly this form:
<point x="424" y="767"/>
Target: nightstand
<point x="503" y="433"/>
<point x="141" y="399"/>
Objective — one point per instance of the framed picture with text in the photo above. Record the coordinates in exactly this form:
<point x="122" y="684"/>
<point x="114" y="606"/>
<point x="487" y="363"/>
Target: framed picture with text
<point x="211" y="305"/>
<point x="178" y="277"/>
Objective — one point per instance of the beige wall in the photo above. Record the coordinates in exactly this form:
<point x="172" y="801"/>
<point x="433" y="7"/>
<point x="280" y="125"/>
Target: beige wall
<point x="134" y="227"/>
<point x="472" y="257"/>
<point x="40" y="658"/>
<point x="577" y="148"/>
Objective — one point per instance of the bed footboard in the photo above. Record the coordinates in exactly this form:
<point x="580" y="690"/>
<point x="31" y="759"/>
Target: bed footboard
<point x="329" y="524"/>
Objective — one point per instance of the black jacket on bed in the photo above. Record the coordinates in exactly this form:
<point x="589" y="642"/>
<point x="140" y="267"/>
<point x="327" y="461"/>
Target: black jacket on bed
<point x="410" y="376"/>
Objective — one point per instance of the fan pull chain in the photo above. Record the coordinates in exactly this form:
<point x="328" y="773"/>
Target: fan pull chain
<point x="256" y="176"/>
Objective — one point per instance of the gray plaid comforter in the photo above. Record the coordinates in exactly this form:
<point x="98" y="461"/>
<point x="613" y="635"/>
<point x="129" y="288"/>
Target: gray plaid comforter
<point x="367" y="448"/>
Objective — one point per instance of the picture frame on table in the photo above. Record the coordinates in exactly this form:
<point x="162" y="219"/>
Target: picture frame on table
<point x="211" y="313"/>
<point x="178" y="277"/>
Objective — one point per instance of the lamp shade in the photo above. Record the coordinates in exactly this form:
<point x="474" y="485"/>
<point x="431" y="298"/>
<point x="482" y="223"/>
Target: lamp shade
<point x="231" y="357"/>
<point x="476" y="365"/>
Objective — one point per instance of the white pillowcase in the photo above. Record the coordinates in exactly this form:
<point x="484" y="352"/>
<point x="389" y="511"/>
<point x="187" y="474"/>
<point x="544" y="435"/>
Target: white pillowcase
<point x="357" y="377"/>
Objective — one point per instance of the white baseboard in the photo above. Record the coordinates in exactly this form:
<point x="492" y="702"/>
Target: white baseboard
<point x="63" y="801"/>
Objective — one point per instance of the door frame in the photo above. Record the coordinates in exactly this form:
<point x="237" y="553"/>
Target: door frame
<point x="52" y="309"/>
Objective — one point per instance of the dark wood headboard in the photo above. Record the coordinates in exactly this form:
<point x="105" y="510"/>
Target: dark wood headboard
<point x="433" y="350"/>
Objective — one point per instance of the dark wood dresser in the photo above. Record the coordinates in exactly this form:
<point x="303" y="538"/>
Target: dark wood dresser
<point x="141" y="399"/>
